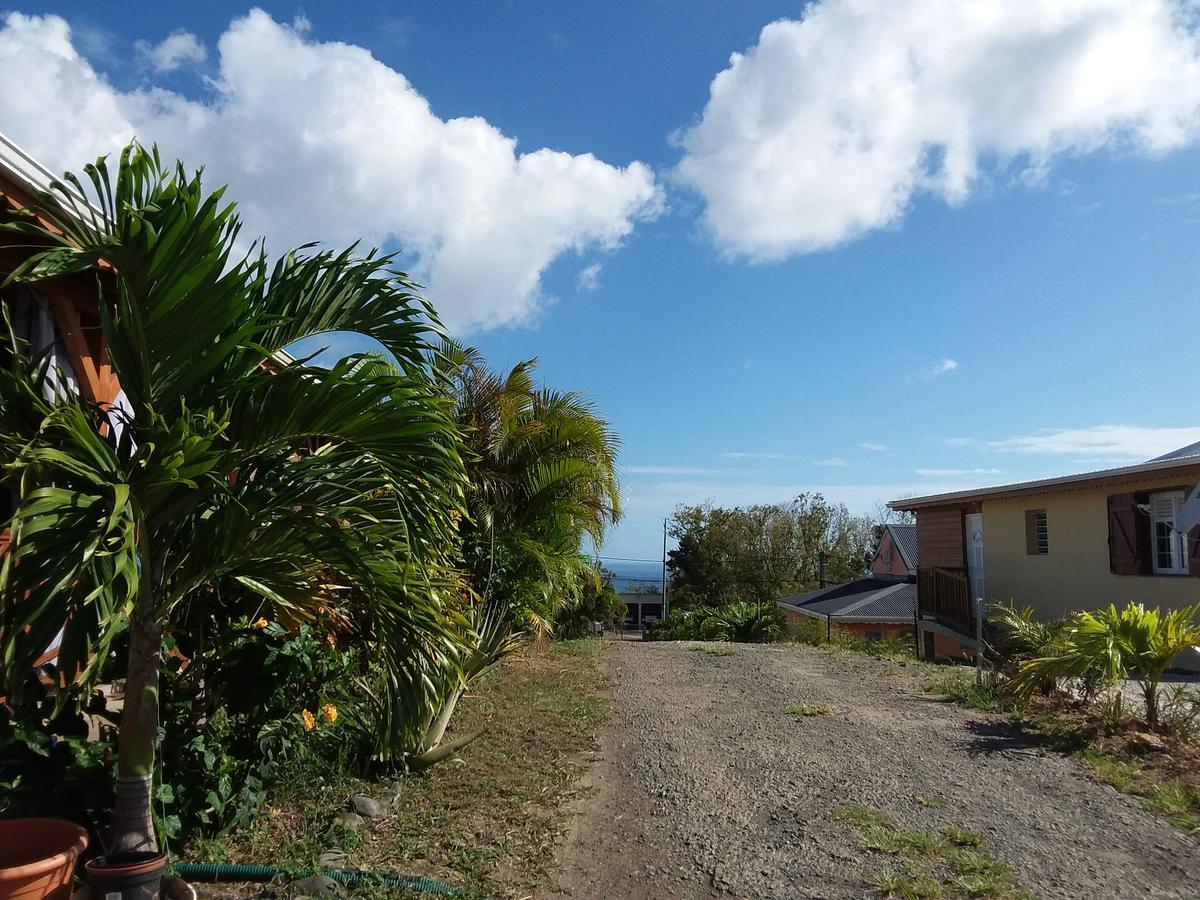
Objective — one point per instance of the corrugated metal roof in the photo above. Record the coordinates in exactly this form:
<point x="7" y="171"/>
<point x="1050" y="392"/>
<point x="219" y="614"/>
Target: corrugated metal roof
<point x="1119" y="475"/>
<point x="1181" y="453"/>
<point x="865" y="600"/>
<point x="905" y="539"/>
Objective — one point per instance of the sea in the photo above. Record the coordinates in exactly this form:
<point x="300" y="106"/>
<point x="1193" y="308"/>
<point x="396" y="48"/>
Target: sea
<point x="626" y="573"/>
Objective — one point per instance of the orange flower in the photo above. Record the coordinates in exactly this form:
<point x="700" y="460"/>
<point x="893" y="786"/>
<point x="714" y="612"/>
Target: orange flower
<point x="309" y="722"/>
<point x="261" y="623"/>
<point x="329" y="713"/>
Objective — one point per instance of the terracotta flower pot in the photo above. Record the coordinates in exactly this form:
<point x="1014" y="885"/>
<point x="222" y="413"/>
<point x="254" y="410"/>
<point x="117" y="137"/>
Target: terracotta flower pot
<point x="37" y="858"/>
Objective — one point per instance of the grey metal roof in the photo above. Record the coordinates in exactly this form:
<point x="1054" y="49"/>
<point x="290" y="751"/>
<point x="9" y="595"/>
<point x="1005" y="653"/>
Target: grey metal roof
<point x="865" y="600"/>
<point x="905" y="539"/>
<point x="1181" y="453"/>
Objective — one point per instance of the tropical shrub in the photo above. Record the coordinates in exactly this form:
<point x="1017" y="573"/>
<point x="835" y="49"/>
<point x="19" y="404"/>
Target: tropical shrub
<point x="596" y="601"/>
<point x="1112" y="644"/>
<point x="1024" y="637"/>
<point x="738" y="622"/>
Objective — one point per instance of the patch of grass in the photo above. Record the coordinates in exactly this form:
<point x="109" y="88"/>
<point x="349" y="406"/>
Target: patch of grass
<point x="714" y="649"/>
<point x="863" y="816"/>
<point x="1118" y="773"/>
<point x="933" y="864"/>
<point x="960" y="837"/>
<point x="810" y="709"/>
<point x="486" y="821"/>
<point x="958" y="685"/>
<point x="913" y="882"/>
<point x="930" y="802"/>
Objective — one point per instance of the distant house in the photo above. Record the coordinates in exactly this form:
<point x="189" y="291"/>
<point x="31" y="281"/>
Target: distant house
<point x="641" y="608"/>
<point x="877" y="607"/>
<point x="1058" y="544"/>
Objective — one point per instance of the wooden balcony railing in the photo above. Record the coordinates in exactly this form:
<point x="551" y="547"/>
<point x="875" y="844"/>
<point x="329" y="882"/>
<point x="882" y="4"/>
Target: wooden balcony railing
<point x="945" y="595"/>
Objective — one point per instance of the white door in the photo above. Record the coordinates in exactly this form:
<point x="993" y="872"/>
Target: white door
<point x="975" y="555"/>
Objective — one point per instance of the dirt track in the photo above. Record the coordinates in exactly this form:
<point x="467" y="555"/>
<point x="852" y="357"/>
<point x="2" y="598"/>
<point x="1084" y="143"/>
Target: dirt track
<point x="706" y="786"/>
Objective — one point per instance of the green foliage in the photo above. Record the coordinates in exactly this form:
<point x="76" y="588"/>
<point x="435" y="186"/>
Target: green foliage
<point x="760" y="553"/>
<point x="233" y="722"/>
<point x="1112" y="644"/>
<point x="745" y="623"/>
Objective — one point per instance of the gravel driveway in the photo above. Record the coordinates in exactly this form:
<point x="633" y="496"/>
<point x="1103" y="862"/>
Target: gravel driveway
<point x="705" y="785"/>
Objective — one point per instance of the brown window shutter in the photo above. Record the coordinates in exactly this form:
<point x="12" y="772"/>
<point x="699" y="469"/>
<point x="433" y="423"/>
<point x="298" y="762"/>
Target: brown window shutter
<point x="1128" y="537"/>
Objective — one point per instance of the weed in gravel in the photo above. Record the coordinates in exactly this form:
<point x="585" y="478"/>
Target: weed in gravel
<point x="933" y="864"/>
<point x="930" y="802"/>
<point x="979" y="875"/>
<point x="810" y="709"/>
<point x="713" y="649"/>
<point x="960" y="837"/>
<point x="913" y="882"/>
<point x="958" y="685"/>
<point x="863" y="816"/>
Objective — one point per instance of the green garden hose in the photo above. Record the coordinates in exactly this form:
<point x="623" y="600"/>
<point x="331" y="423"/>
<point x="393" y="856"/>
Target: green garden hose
<point x="243" y="872"/>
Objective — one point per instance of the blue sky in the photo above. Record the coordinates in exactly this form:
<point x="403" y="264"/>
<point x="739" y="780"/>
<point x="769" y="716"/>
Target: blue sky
<point x="807" y="271"/>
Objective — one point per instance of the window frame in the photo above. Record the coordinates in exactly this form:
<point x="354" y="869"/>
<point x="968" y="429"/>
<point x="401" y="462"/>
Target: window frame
<point x="1179" y="555"/>
<point x="1032" y="546"/>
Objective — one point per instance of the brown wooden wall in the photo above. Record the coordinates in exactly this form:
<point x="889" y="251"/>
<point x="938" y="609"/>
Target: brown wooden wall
<point x="940" y="538"/>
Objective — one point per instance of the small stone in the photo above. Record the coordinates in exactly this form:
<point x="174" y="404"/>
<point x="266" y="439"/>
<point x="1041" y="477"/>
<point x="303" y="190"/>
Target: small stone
<point x="365" y="806"/>
<point x="351" y="820"/>
<point x="1144" y="742"/>
<point x="333" y="858"/>
<point x="315" y="886"/>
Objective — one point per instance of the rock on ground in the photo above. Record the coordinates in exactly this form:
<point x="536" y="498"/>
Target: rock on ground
<point x="704" y="785"/>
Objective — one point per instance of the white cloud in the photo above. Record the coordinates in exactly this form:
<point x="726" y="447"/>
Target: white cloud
<point x="829" y="126"/>
<point x="321" y="141"/>
<point x="668" y="470"/>
<point x="872" y="446"/>
<point x="836" y="461"/>
<point x="937" y="369"/>
<point x="959" y="441"/>
<point x="746" y="454"/>
<point x="177" y="48"/>
<point x="956" y="473"/>
<point x="1114" y="443"/>
<point x="588" y="278"/>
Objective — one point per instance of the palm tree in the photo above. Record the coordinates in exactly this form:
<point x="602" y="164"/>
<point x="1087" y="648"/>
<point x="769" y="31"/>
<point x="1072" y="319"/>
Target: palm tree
<point x="213" y="483"/>
<point x="542" y="472"/>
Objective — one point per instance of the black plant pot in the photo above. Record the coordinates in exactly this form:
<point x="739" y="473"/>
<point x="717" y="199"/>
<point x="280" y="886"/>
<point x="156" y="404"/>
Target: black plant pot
<point x="126" y="876"/>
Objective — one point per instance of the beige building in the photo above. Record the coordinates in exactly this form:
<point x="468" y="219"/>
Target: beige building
<point x="1058" y="545"/>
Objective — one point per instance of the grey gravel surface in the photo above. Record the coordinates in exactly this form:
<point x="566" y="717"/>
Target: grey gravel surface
<point x="706" y="786"/>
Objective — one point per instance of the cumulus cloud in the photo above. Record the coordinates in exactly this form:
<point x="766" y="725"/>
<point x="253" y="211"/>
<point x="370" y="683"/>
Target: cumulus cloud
<point x="956" y="473"/>
<point x="1111" y="443"/>
<point x="836" y="461"/>
<point x="829" y="126"/>
<point x="749" y="454"/>
<point x="176" y="49"/>
<point x="588" y="278"/>
<point x="321" y="141"/>
<point x="937" y="369"/>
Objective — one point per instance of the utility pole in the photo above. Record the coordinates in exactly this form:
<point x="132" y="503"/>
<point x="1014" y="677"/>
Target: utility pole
<point x="822" y="559"/>
<point x="664" y="570"/>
